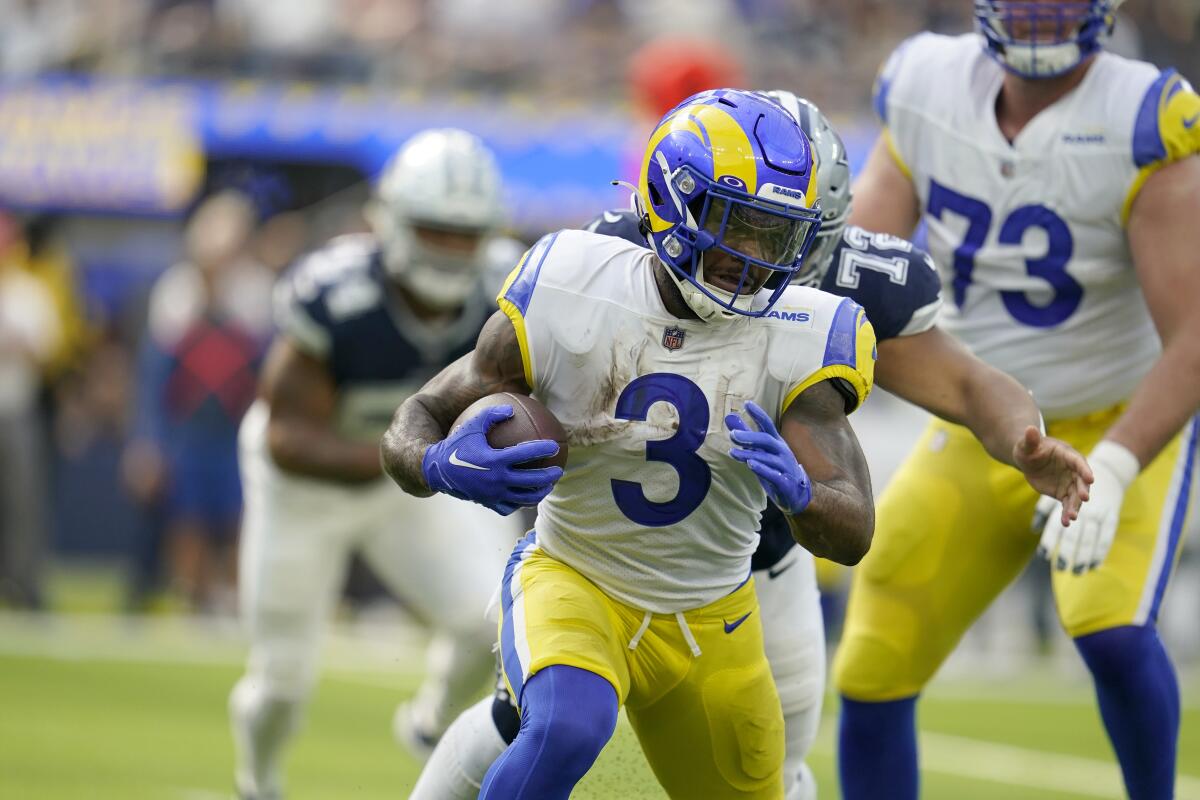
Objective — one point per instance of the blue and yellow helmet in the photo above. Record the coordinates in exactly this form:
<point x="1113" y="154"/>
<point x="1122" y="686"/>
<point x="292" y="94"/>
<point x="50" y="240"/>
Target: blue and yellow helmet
<point x="730" y="171"/>
<point x="1045" y="39"/>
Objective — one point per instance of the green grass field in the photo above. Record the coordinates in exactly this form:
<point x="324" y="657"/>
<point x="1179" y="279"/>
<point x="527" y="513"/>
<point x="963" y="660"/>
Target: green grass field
<point x="105" y="709"/>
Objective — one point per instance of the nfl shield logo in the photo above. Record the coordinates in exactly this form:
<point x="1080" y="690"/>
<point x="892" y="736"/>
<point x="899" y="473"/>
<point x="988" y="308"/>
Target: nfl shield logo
<point x="673" y="338"/>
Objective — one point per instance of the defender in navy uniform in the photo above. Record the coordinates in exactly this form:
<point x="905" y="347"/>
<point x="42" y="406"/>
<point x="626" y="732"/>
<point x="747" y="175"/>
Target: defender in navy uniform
<point x="362" y="323"/>
<point x="898" y="286"/>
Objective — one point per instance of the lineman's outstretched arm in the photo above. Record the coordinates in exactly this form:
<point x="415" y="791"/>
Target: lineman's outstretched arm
<point x="935" y="372"/>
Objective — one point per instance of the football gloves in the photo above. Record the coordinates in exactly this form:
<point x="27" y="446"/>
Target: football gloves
<point x="465" y="466"/>
<point x="1083" y="545"/>
<point x="770" y="459"/>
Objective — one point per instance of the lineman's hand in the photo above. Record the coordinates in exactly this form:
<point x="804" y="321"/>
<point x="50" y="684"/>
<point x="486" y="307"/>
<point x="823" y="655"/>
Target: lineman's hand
<point x="1084" y="545"/>
<point x="1054" y="468"/>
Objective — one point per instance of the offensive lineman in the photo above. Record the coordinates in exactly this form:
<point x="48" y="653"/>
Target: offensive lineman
<point x="897" y="285"/>
<point x="362" y="324"/>
<point x="1061" y="189"/>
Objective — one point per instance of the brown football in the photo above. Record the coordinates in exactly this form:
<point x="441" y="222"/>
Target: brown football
<point x="530" y="420"/>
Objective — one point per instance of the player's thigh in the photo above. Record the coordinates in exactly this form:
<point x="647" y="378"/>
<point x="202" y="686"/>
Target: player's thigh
<point x="952" y="530"/>
<point x="718" y="732"/>
<point x="1128" y="587"/>
<point x="793" y="630"/>
<point x="443" y="556"/>
<point x="551" y="615"/>
<point x="292" y="565"/>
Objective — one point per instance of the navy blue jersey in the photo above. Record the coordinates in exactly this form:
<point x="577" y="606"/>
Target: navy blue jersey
<point x="892" y="279"/>
<point x="335" y="305"/>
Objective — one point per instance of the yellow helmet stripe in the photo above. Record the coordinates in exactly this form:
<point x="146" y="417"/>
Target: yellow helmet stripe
<point x="733" y="153"/>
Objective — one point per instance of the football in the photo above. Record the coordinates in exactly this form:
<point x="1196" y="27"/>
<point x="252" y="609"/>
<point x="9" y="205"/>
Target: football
<point x="530" y="420"/>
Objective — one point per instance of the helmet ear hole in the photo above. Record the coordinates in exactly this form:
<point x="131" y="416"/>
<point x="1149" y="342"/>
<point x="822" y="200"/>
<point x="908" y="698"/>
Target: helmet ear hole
<point x="655" y="197"/>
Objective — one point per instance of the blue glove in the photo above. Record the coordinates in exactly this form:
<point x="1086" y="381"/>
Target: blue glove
<point x="771" y="460"/>
<point x="465" y="466"/>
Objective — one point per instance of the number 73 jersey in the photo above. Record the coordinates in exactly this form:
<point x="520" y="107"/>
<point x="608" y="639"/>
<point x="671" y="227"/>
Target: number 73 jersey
<point x="1029" y="236"/>
<point x="651" y="507"/>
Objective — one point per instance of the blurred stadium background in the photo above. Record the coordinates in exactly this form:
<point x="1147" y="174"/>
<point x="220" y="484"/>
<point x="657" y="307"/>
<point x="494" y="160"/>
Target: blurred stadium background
<point x="120" y="118"/>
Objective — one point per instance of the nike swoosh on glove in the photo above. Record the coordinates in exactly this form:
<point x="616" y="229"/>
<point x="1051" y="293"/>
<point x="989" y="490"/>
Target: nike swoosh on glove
<point x="1083" y="545"/>
<point x="770" y="459"/>
<point x="465" y="466"/>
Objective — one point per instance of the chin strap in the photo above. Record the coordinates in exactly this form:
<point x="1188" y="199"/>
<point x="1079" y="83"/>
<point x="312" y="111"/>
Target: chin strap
<point x="704" y="306"/>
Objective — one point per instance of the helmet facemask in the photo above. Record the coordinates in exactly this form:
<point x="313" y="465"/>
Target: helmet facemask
<point x="747" y="244"/>
<point x="1047" y="39"/>
<point x="440" y="276"/>
<point x="437" y="207"/>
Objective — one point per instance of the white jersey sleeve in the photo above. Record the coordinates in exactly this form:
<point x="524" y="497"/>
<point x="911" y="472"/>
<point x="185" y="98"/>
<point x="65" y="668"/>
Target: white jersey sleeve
<point x="1028" y="235"/>
<point x="651" y="506"/>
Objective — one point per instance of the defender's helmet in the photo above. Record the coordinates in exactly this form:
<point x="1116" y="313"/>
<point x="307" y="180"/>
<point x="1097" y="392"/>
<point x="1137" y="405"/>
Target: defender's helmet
<point x="441" y="181"/>
<point x="1044" y="39"/>
<point x="833" y="183"/>
<point x="730" y="172"/>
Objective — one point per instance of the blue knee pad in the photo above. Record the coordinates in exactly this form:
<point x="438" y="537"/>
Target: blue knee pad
<point x="1138" y="696"/>
<point x="568" y="715"/>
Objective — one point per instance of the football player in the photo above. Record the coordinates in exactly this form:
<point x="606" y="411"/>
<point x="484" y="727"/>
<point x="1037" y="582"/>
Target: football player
<point x="1061" y="190"/>
<point x="897" y="285"/>
<point x="362" y="324"/>
<point x="686" y="406"/>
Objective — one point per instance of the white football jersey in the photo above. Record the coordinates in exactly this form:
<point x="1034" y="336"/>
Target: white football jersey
<point x="651" y="507"/>
<point x="1029" y="237"/>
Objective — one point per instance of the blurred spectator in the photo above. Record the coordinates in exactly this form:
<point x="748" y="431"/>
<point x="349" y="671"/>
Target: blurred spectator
<point x="29" y="336"/>
<point x="39" y="34"/>
<point x="208" y="320"/>
<point x="49" y="261"/>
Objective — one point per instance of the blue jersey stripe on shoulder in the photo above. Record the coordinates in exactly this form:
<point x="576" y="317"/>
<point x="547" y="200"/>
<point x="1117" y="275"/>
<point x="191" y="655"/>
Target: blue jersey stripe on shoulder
<point x="883" y="81"/>
<point x="1148" y="145"/>
<point x="879" y="100"/>
<point x="841" y="346"/>
<point x="520" y="292"/>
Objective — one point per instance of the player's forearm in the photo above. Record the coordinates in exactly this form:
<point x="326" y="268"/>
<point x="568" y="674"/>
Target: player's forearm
<point x="402" y="451"/>
<point x="313" y="451"/>
<point x="933" y="371"/>
<point x="838" y="523"/>
<point x="1164" y="401"/>
<point x="997" y="410"/>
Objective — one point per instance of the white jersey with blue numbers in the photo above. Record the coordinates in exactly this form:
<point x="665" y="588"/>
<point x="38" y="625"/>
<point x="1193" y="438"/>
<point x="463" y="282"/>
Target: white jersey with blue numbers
<point x="335" y="305"/>
<point x="1029" y="237"/>
<point x="651" y="507"/>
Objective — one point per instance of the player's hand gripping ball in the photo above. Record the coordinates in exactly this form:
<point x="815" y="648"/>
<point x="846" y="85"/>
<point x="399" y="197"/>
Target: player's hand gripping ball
<point x="504" y="451"/>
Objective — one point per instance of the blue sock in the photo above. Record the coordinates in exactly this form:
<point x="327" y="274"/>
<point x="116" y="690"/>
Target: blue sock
<point x="568" y="715"/>
<point x="1139" y="702"/>
<point x="877" y="750"/>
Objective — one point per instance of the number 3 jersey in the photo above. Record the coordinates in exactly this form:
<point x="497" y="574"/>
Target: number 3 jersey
<point x="1029" y="237"/>
<point x="651" y="507"/>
